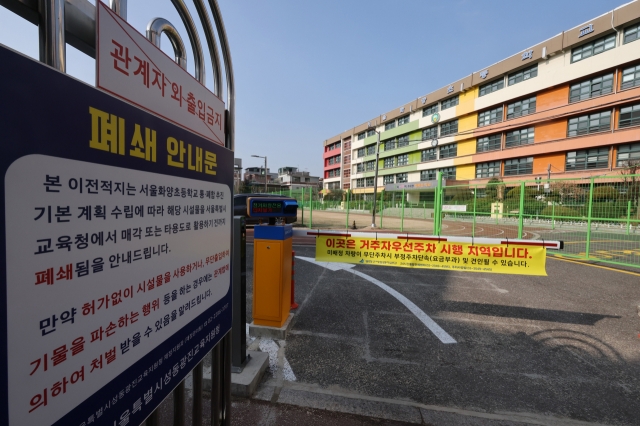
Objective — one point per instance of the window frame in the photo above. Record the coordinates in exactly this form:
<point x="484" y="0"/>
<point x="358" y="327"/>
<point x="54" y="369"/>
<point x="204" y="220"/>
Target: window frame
<point x="402" y="177"/>
<point x="449" y="124"/>
<point x="632" y="154"/>
<point x="636" y="32"/>
<point x="587" y="118"/>
<point x="427" y="133"/>
<point x="495" y="115"/>
<point x="386" y="180"/>
<point x="606" y="39"/>
<point x="516" y="109"/>
<point x="449" y="102"/>
<point x="449" y="150"/>
<point x="446" y="172"/>
<point x="428" y="174"/>
<point x="521" y="167"/>
<point x="390" y="125"/>
<point x="592" y="93"/>
<point x="492" y="85"/>
<point x="519" y="141"/>
<point x="403" y="120"/>
<point x="634" y="116"/>
<point x="361" y="152"/>
<point x="369" y="181"/>
<point x="584" y="155"/>
<point x="402" y="160"/>
<point x="370" y="149"/>
<point x="483" y="170"/>
<point x="430" y="110"/>
<point x="636" y="79"/>
<point x="425" y="155"/>
<point x="490" y="143"/>
<point x="522" y="74"/>
<point x="388" y="163"/>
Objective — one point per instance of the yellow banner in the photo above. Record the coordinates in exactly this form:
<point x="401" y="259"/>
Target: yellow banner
<point x="413" y="253"/>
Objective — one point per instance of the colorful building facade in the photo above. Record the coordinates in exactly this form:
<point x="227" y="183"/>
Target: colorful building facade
<point x="568" y="107"/>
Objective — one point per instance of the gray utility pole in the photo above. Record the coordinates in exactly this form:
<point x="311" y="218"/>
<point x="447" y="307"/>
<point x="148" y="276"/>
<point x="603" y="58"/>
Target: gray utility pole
<point x="375" y="182"/>
<point x="266" y="177"/>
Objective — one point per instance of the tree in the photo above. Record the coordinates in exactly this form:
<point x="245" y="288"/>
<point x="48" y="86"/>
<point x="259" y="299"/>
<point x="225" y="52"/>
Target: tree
<point x="631" y="186"/>
<point x="568" y="192"/>
<point x="495" y="189"/>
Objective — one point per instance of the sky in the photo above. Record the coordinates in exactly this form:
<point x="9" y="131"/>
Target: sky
<point x="306" y="71"/>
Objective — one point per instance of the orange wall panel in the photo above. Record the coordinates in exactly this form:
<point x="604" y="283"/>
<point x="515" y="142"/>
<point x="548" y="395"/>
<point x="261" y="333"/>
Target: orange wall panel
<point x="552" y="98"/>
<point x="550" y="130"/>
<point x="541" y="163"/>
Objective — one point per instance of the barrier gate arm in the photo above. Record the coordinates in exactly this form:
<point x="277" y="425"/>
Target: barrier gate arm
<point x="549" y="244"/>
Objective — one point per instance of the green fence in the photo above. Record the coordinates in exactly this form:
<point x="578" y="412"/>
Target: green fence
<point x="598" y="218"/>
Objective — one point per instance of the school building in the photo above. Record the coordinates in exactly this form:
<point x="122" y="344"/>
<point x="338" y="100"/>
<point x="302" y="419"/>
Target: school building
<point x="568" y="107"/>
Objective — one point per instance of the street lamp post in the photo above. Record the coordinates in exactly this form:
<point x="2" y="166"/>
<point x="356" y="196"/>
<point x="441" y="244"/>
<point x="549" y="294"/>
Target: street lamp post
<point x="265" y="171"/>
<point x="375" y="182"/>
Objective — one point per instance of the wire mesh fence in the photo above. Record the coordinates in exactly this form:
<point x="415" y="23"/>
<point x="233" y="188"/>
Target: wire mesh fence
<point x="598" y="218"/>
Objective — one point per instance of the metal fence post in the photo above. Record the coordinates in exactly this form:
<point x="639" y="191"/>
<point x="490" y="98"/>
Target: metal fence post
<point x="402" y="214"/>
<point x="521" y="211"/>
<point x="587" y="249"/>
<point x="381" y="207"/>
<point x="216" y="376"/>
<point x="475" y="197"/>
<point x="302" y="205"/>
<point x="553" y="215"/>
<point x="628" y="216"/>
<point x="348" y="199"/>
<point x="310" y="207"/>
<point x="239" y="291"/>
<point x="437" y="213"/>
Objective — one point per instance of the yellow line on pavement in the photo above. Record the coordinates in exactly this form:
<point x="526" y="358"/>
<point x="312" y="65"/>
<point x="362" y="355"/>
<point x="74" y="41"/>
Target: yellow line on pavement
<point x="637" y="274"/>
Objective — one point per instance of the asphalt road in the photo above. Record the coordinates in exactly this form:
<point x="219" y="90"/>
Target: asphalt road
<point x="541" y="350"/>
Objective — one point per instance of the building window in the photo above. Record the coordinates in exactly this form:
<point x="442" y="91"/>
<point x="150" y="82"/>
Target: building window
<point x="489" y="143"/>
<point x="631" y="33"/>
<point x="518" y="166"/>
<point x="494" y="86"/>
<point x="631" y="77"/>
<point x="390" y="125"/>
<point x="387" y="179"/>
<point x="369" y="181"/>
<point x="629" y="116"/>
<point x="448" y="151"/>
<point x="347" y="145"/>
<point x="521" y="107"/>
<point x="371" y="149"/>
<point x="590" y="123"/>
<point x="490" y="116"/>
<point x="449" y="128"/>
<point x="361" y="136"/>
<point x="360" y="183"/>
<point x="346" y="186"/>
<point x="595" y="47"/>
<point x="370" y="165"/>
<point x="403" y="120"/>
<point x="519" y="137"/>
<point x="523" y="74"/>
<point x="428" y="175"/>
<point x="360" y="168"/>
<point x="430" y="110"/>
<point x="346" y="159"/>
<point x="628" y="154"/>
<point x="360" y="152"/>
<point x="402" y="160"/>
<point x="490" y="169"/>
<point x="390" y="144"/>
<point x="591" y="88"/>
<point x="430" y="154"/>
<point x="347" y="173"/>
<point x="586" y="159"/>
<point x="403" y="141"/>
<point x="371" y="133"/>
<point x="389" y="162"/>
<point x="401" y="177"/>
<point x="449" y="102"/>
<point x="448" y="173"/>
<point x="430" y="133"/>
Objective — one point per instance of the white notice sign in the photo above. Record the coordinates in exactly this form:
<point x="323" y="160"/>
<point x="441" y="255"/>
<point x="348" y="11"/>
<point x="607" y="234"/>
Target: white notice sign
<point x="106" y="264"/>
<point x="130" y="67"/>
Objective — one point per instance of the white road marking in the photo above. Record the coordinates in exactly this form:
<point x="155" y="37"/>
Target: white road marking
<point x="419" y="313"/>
<point x="271" y="347"/>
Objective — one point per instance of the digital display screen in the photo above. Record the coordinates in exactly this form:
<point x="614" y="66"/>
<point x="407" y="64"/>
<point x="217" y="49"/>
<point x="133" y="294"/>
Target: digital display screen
<point x="271" y="207"/>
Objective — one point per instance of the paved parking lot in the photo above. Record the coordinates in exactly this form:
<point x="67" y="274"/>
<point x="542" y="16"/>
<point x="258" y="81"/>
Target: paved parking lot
<point x="562" y="349"/>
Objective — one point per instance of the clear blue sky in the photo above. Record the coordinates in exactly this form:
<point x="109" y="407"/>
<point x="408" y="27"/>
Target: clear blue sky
<point x="308" y="70"/>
